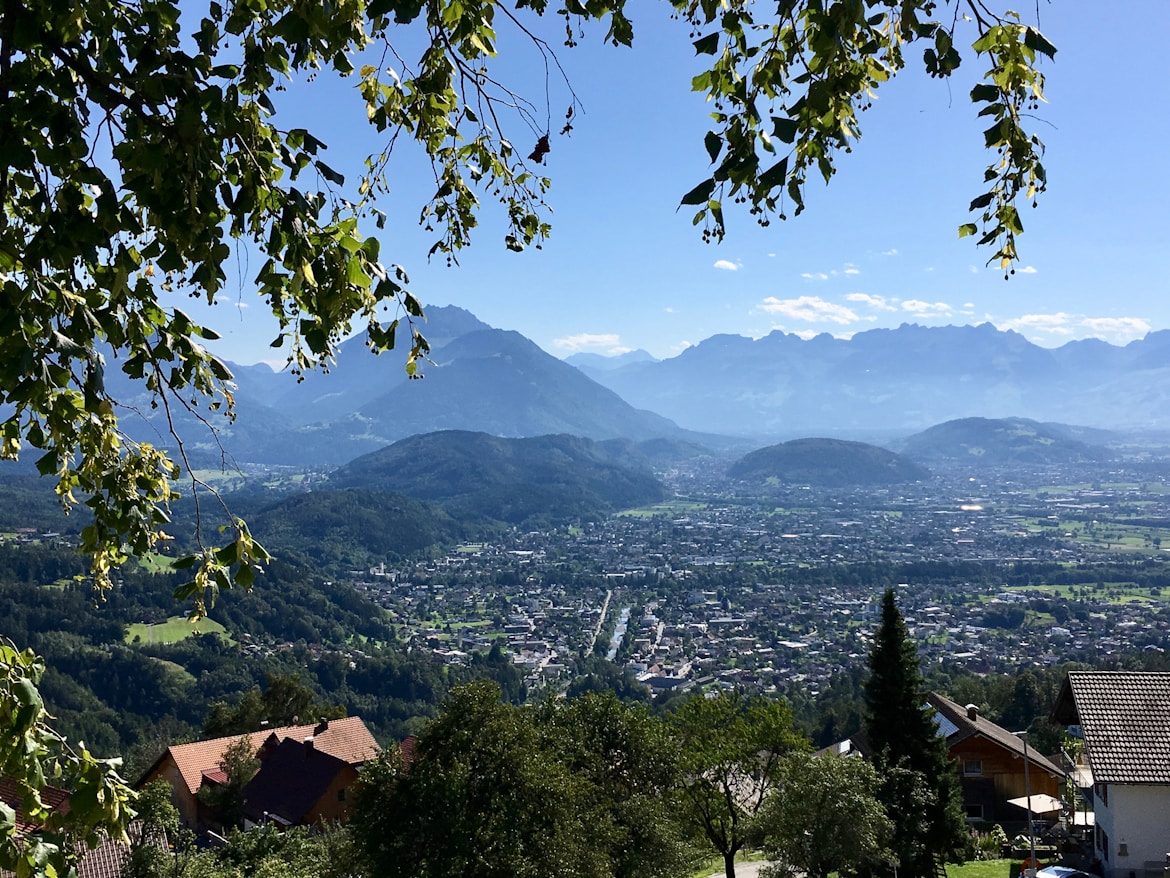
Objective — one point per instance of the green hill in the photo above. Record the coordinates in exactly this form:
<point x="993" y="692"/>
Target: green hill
<point x="518" y="481"/>
<point x="826" y="463"/>
<point x="1000" y="441"/>
<point x="355" y="527"/>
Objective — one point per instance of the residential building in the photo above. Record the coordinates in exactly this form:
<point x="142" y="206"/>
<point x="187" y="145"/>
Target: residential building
<point x="1124" y="718"/>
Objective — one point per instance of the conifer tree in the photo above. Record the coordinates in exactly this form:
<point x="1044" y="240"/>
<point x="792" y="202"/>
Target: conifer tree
<point x="920" y="787"/>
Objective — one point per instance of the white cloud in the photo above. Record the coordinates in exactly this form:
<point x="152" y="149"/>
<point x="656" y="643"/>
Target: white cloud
<point x="1117" y="329"/>
<point x="1062" y="326"/>
<point x="806" y="334"/>
<point x="1057" y="324"/>
<point x="851" y="270"/>
<point x="968" y="305"/>
<point x="669" y="310"/>
<point x="814" y="275"/>
<point x="1027" y="269"/>
<point x="811" y="309"/>
<point x="878" y="302"/>
<point x="917" y="306"/>
<point x="229" y="300"/>
<point x="726" y="265"/>
<point x="891" y="252"/>
<point x="609" y="342"/>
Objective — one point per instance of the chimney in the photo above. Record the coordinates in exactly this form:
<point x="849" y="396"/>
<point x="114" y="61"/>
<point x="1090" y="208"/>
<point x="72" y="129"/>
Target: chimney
<point x="309" y="742"/>
<point x="972" y="712"/>
<point x="321" y="726"/>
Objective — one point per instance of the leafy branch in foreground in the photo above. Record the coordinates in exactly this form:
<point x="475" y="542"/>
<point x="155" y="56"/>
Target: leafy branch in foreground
<point x="33" y="756"/>
<point x="143" y="154"/>
<point x="788" y="89"/>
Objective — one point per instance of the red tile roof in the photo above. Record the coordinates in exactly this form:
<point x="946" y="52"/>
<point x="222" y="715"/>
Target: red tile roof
<point x="347" y="739"/>
<point x="12" y="794"/>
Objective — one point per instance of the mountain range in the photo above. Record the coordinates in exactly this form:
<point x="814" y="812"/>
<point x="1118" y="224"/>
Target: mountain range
<point x="899" y="380"/>
<point x="728" y="392"/>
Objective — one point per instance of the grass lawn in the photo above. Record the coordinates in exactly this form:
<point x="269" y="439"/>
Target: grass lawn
<point x="990" y="868"/>
<point x="674" y="507"/>
<point x="173" y="630"/>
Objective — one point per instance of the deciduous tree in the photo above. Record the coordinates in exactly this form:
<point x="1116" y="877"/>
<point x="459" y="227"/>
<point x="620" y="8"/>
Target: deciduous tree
<point x="730" y="751"/>
<point x="823" y="817"/>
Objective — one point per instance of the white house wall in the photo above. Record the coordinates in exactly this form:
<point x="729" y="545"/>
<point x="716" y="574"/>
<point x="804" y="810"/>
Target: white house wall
<point x="1137" y="816"/>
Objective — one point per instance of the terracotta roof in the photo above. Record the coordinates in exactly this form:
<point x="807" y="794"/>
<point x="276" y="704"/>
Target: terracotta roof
<point x="966" y="727"/>
<point x="347" y="739"/>
<point x="12" y="794"/>
<point x="1125" y="719"/>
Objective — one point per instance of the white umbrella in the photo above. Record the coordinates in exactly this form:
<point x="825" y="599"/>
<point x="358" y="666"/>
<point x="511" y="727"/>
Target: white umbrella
<point x="1042" y="803"/>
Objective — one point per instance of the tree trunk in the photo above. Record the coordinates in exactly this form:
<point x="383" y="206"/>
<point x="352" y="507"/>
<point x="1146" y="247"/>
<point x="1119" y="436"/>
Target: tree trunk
<point x="729" y="864"/>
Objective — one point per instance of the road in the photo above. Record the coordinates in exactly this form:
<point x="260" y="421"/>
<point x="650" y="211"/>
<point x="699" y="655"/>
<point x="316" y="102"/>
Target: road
<point x="744" y="870"/>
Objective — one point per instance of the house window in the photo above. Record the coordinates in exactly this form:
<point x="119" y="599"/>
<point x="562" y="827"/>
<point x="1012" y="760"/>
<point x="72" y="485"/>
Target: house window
<point x="341" y="794"/>
<point x="1102" y="790"/>
<point x="972" y="767"/>
<point x="974" y="812"/>
<point x="1105" y="845"/>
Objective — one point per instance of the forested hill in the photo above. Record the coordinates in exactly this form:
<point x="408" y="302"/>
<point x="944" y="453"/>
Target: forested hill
<point x="356" y="527"/>
<point x="828" y="463"/>
<point x="999" y="442"/>
<point x="519" y="481"/>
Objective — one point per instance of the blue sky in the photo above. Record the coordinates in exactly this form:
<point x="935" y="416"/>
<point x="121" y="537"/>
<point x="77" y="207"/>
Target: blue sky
<point x="876" y="248"/>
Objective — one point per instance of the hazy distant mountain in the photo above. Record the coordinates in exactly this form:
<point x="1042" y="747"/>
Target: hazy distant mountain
<point x="879" y="383"/>
<point x="996" y="442"/>
<point x="590" y="363"/>
<point x="513" y="480"/>
<point x="478" y="378"/>
<point x="826" y="463"/>
<point x="499" y="382"/>
<point x="905" y="378"/>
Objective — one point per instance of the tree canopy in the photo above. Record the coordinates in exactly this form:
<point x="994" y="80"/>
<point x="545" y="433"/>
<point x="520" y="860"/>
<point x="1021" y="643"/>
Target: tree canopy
<point x="145" y="145"/>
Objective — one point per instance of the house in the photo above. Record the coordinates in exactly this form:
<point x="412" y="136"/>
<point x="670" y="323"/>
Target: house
<point x="1124" y="719"/>
<point x="990" y="760"/>
<point x="298" y="785"/>
<point x="187" y="767"/>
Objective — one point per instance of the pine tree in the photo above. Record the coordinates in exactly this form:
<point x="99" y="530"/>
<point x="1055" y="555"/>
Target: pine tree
<point x="920" y="787"/>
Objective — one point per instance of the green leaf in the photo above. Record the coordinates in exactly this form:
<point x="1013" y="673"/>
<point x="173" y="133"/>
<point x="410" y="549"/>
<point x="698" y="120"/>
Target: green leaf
<point x="984" y="92"/>
<point x="329" y="174"/>
<point x="714" y="144"/>
<point x="785" y="129"/>
<point x="775" y="175"/>
<point x="700" y="193"/>
<point x="968" y="229"/>
<point x="981" y="201"/>
<point x="1035" y="41"/>
<point x="707" y="45"/>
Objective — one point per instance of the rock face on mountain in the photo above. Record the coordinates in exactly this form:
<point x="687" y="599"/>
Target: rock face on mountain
<point x="510" y="480"/>
<point x="999" y="442"/>
<point x="904" y="379"/>
<point x="826" y="463"/>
